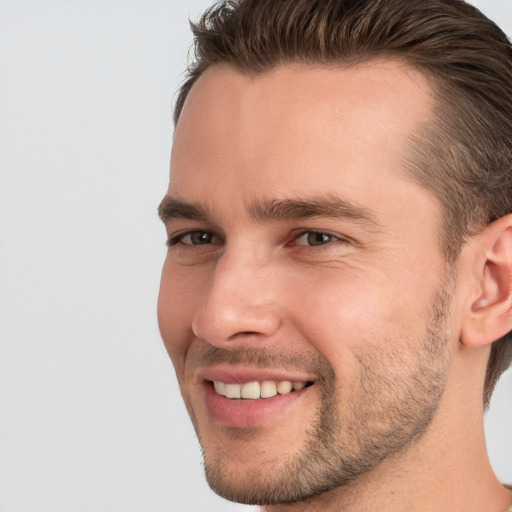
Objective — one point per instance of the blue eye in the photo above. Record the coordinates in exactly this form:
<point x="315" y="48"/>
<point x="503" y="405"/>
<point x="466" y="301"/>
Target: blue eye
<point x="315" y="238"/>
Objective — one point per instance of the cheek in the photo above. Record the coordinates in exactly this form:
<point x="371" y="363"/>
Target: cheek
<point x="178" y="301"/>
<point x="344" y="312"/>
<point x="335" y="319"/>
<point x="341" y="303"/>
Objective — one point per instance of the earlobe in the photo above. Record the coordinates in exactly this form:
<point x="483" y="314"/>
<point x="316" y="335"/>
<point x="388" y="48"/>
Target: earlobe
<point x="489" y="316"/>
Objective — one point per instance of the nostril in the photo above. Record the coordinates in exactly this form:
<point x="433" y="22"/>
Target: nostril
<point x="222" y="320"/>
<point x="245" y="334"/>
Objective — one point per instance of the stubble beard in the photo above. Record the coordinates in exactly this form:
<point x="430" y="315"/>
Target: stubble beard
<point x="395" y="400"/>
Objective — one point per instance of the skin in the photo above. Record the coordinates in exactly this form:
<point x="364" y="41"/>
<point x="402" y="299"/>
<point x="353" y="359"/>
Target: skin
<point x="366" y="309"/>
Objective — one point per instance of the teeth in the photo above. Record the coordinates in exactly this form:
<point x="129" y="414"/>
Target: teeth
<point x="268" y="389"/>
<point x="255" y="390"/>
<point x="284" y="387"/>
<point x="250" y="390"/>
<point x="232" y="391"/>
<point x="220" y="387"/>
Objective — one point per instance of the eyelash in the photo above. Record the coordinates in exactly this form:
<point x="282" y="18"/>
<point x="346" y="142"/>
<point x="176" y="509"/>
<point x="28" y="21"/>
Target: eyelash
<point x="307" y="234"/>
<point x="178" y="239"/>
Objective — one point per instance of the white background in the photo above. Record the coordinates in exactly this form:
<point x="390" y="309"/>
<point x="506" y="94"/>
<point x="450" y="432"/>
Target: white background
<point x="90" y="415"/>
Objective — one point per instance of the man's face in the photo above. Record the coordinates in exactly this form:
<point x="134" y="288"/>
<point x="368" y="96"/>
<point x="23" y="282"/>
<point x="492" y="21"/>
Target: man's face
<point x="302" y="256"/>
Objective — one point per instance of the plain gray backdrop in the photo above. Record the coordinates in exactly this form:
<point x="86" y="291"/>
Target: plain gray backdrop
<point x="90" y="414"/>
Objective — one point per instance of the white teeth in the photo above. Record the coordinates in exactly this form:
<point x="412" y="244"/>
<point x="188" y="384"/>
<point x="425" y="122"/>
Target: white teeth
<point x="220" y="387"/>
<point x="268" y="389"/>
<point x="255" y="390"/>
<point x="284" y="387"/>
<point x="251" y="390"/>
<point x="233" y="391"/>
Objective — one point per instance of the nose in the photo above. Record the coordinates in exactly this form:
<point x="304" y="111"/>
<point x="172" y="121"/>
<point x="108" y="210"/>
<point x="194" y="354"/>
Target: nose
<point x="240" y="304"/>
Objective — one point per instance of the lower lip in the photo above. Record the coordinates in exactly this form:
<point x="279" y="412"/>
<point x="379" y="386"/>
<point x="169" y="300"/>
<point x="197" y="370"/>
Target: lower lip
<point x="248" y="413"/>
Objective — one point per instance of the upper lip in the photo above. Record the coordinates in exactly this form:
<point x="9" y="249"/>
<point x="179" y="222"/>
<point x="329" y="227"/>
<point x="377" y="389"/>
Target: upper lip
<point x="239" y="375"/>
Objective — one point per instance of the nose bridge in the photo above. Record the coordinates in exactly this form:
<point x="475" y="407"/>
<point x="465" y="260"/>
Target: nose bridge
<point x="240" y="301"/>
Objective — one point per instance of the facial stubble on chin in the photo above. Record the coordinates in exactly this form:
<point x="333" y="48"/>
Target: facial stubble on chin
<point x="387" y="412"/>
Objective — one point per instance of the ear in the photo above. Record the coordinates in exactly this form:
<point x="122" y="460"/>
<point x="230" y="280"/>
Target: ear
<point x="489" y="316"/>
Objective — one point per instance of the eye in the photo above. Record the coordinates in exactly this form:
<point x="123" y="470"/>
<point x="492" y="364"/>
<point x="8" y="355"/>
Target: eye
<point x="315" y="238"/>
<point x="194" y="238"/>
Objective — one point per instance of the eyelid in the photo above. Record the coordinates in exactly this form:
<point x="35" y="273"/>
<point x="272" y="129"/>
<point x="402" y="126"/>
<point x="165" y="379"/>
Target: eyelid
<point x="335" y="237"/>
<point x="177" y="238"/>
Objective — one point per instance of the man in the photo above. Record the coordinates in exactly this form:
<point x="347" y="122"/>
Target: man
<point x="337" y="294"/>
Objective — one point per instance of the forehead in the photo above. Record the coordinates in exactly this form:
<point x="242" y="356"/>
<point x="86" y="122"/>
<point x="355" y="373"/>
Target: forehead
<point x="297" y="130"/>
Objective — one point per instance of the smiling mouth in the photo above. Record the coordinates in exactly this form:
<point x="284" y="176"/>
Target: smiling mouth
<point x="257" y="390"/>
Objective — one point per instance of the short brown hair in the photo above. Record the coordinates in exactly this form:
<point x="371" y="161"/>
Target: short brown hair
<point x="463" y="155"/>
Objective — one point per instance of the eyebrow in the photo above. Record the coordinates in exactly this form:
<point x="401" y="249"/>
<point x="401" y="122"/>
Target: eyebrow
<point x="300" y="209"/>
<point x="276" y="210"/>
<point x="171" y="208"/>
